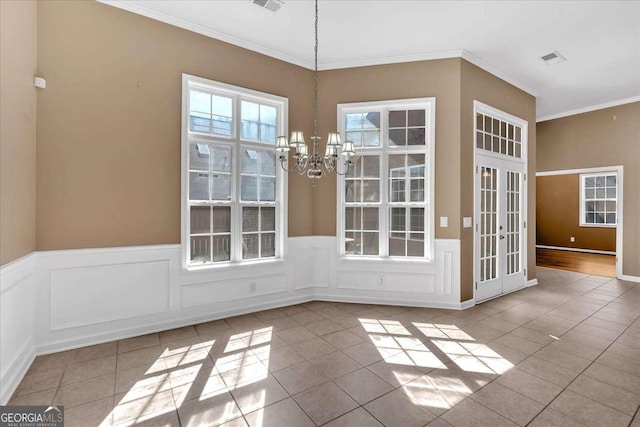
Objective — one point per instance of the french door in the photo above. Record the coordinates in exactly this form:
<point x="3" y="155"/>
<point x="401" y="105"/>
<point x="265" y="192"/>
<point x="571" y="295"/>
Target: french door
<point x="499" y="226"/>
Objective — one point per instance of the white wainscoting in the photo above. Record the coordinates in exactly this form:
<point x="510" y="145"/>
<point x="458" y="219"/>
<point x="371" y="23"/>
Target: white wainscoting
<point x="58" y="300"/>
<point x="17" y="318"/>
<point x="400" y="282"/>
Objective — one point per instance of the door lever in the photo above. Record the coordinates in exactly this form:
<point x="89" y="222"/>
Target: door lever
<point x="501" y="237"/>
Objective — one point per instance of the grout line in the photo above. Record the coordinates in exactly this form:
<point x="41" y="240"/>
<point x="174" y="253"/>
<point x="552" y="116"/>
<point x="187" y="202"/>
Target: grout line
<point x="439" y="314"/>
<point x="544" y="346"/>
<point x="590" y="364"/>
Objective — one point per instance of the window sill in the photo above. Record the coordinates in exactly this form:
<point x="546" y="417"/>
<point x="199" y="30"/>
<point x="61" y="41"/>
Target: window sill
<point x="599" y="225"/>
<point x="233" y="266"/>
<point x="393" y="260"/>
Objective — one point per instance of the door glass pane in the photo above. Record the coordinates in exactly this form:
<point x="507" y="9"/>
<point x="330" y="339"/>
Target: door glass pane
<point x="488" y="233"/>
<point x="513" y="222"/>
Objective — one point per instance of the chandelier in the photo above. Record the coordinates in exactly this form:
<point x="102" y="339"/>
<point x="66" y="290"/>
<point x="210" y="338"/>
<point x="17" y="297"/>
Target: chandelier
<point x="314" y="164"/>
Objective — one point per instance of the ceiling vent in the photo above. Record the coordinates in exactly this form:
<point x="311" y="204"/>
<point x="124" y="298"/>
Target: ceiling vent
<point x="272" y="5"/>
<point x="553" y="58"/>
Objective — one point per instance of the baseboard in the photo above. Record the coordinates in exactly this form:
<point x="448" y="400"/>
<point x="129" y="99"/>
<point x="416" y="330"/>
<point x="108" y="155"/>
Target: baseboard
<point x="358" y="299"/>
<point x="629" y="278"/>
<point x="531" y="282"/>
<point x="18" y="369"/>
<point x="467" y="304"/>
<point x="588" y="251"/>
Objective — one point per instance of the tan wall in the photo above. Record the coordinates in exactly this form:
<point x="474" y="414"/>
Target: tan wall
<point x="479" y="85"/>
<point x="607" y="137"/>
<point x="109" y="123"/>
<point x="109" y="146"/>
<point x="440" y="79"/>
<point x="558" y="216"/>
<point x="17" y="129"/>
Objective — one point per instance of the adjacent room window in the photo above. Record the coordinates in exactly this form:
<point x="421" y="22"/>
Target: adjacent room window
<point x="385" y="201"/>
<point x="599" y="200"/>
<point x="233" y="193"/>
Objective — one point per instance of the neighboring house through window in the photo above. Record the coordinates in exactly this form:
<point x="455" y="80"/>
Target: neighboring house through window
<point x="385" y="201"/>
<point x="233" y="191"/>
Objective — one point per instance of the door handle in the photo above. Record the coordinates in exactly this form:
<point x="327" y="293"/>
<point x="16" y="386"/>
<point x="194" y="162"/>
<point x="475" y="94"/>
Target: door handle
<point x="501" y="237"/>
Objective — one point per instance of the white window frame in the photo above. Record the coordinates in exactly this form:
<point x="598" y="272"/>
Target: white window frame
<point x="235" y="142"/>
<point x="583" y="200"/>
<point x="429" y="105"/>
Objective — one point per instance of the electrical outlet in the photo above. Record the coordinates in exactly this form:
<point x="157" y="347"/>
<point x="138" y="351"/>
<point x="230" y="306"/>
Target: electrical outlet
<point x="572" y="239"/>
<point x="252" y="288"/>
<point x="380" y="281"/>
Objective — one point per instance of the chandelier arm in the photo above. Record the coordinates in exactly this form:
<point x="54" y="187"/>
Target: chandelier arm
<point x="282" y="162"/>
<point x="348" y="163"/>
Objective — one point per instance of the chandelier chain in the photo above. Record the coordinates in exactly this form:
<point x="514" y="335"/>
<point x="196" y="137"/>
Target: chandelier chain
<point x="315" y="95"/>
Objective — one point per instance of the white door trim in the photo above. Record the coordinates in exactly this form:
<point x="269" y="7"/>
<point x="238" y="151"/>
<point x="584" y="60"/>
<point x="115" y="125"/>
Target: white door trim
<point x="479" y="107"/>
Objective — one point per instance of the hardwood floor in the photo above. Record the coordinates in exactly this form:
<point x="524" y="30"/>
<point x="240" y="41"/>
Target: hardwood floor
<point x="601" y="265"/>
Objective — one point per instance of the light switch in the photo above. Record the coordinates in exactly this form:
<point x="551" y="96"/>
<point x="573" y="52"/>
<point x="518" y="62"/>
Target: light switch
<point x="467" y="222"/>
<point x="444" y="221"/>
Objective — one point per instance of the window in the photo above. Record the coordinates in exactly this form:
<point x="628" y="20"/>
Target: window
<point x="233" y="191"/>
<point x="385" y="201"/>
<point x="598" y="200"/>
<point x="499" y="136"/>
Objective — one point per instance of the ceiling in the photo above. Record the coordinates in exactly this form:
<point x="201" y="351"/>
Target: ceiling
<point x="600" y="39"/>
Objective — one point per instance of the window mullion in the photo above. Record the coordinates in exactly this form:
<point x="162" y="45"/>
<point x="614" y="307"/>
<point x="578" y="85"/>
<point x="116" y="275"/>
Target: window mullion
<point x="384" y="193"/>
<point x="236" y="226"/>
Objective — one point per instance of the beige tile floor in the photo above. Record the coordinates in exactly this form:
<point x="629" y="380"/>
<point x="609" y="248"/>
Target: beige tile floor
<point x="563" y="353"/>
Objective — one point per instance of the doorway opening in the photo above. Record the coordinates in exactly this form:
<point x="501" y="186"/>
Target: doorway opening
<point x="579" y="220"/>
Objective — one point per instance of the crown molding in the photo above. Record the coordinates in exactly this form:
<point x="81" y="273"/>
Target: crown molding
<point x="456" y="53"/>
<point x="446" y="54"/>
<point x="206" y="31"/>
<point x="588" y="109"/>
<point x="477" y="61"/>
